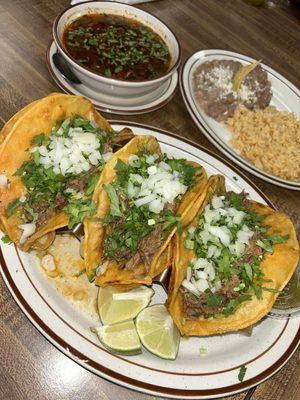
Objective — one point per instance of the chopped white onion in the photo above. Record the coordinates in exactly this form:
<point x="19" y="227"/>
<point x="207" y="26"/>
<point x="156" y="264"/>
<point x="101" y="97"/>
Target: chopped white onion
<point x="28" y="230"/>
<point x="202" y="285"/>
<point x="190" y="287"/>
<point x="102" y="268"/>
<point x="188" y="273"/>
<point x="3" y="181"/>
<point x="217" y="202"/>
<point x="132" y="159"/>
<point x="72" y="154"/>
<point x="152" y="170"/>
<point x="222" y="232"/>
<point x="144" y="200"/>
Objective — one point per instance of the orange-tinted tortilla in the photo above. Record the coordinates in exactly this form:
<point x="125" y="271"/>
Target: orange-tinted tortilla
<point x="279" y="267"/>
<point x="95" y="231"/>
<point x="16" y="135"/>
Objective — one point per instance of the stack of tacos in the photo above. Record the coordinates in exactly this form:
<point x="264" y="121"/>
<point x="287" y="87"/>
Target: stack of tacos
<point x="61" y="164"/>
<point x="51" y="155"/>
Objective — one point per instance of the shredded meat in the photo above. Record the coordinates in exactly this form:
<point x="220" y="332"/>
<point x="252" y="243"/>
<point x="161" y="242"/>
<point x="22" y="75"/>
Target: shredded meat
<point x="195" y="307"/>
<point x="133" y="262"/>
<point x="227" y="290"/>
<point x="171" y="207"/>
<point x="147" y="248"/>
<point x="252" y="250"/>
<point x="79" y="183"/>
<point x="106" y="148"/>
<point x="60" y="202"/>
<point x="123" y="137"/>
<point x="44" y="212"/>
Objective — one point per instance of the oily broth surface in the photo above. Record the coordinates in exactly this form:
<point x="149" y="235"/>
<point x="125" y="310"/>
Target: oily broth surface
<point x="76" y="289"/>
<point x="117" y="47"/>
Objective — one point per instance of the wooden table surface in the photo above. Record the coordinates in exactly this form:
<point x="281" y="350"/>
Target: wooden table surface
<point x="271" y="34"/>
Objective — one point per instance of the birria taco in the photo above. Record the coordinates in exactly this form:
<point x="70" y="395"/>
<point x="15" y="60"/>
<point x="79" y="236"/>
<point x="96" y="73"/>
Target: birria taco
<point x="51" y="156"/>
<point x="143" y="196"/>
<point x="230" y="263"/>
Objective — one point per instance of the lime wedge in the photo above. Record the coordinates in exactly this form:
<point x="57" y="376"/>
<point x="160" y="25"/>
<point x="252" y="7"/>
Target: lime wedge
<point x="157" y="331"/>
<point x="115" y="306"/>
<point x="120" y="338"/>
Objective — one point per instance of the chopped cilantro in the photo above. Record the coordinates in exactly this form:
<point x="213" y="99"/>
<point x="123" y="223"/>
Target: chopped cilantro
<point x="39" y="140"/>
<point x="202" y="351"/>
<point x="12" y="206"/>
<point x="224" y="263"/>
<point x="242" y="373"/>
<point x="6" y="239"/>
<point x="275" y="239"/>
<point x="234" y="303"/>
<point x="213" y="299"/>
<point x="78" y="210"/>
<point x="265" y="244"/>
<point x="81" y="272"/>
<point x="114" y="201"/>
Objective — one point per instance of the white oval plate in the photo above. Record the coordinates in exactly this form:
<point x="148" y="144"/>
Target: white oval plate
<point x="286" y="97"/>
<point x="113" y="104"/>
<point x="191" y="376"/>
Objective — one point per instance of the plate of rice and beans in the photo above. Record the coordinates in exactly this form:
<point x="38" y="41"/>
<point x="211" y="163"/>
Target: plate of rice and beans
<point x="248" y="111"/>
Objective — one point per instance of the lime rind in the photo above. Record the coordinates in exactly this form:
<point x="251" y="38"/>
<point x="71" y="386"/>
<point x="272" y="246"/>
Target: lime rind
<point x="157" y="332"/>
<point x="119" y="338"/>
<point x="115" y="306"/>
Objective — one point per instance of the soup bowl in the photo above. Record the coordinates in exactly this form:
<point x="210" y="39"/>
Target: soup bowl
<point x="110" y="86"/>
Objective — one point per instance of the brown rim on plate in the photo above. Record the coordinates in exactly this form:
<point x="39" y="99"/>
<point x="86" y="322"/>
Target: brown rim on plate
<point x="133" y="383"/>
<point x="62" y="49"/>
<point x="135" y="363"/>
<point x="100" y="108"/>
<point x="225" y="148"/>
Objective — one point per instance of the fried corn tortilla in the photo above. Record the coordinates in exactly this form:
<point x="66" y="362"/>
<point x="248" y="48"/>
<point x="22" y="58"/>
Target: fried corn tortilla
<point x="95" y="231"/>
<point x="277" y="270"/>
<point x="17" y="134"/>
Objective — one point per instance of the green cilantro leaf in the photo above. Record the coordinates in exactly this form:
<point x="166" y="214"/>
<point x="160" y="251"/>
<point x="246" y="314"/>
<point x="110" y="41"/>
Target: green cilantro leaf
<point x="12" y="206"/>
<point x="234" y="303"/>
<point x="6" y="239"/>
<point x="275" y="239"/>
<point x="242" y="373"/>
<point x="114" y="200"/>
<point x="213" y="299"/>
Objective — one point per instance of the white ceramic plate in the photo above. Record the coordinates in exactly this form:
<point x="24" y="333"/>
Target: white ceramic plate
<point x="114" y="104"/>
<point x="191" y="376"/>
<point x="286" y="97"/>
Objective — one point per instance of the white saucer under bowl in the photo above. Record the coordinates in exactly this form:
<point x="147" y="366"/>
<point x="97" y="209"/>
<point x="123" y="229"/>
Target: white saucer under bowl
<point x="112" y="104"/>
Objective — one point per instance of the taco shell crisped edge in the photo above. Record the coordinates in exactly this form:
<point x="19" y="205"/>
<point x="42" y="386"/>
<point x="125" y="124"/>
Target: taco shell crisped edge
<point x="95" y="231"/>
<point x="278" y="266"/>
<point x="37" y="117"/>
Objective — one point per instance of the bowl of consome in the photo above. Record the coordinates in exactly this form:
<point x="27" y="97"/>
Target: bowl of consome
<point x="116" y="48"/>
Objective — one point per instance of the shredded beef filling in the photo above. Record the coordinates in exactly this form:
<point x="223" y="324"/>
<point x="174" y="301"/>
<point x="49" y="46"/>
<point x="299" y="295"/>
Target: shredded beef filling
<point x="147" y="248"/>
<point x="195" y="307"/>
<point x="252" y="251"/>
<point x="44" y="213"/>
<point x="124" y="136"/>
<point x="80" y="182"/>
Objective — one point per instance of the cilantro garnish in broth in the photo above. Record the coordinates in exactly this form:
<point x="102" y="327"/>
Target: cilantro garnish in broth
<point x="117" y="47"/>
<point x="229" y="244"/>
<point x="62" y="171"/>
<point x="142" y="204"/>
